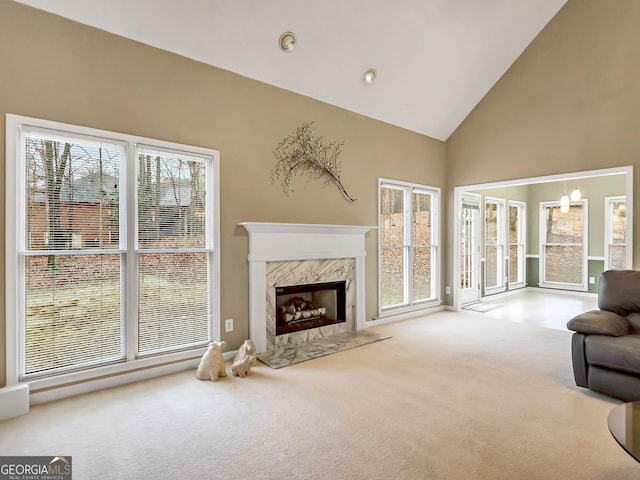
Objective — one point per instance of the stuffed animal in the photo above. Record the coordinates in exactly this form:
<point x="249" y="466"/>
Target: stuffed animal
<point x="211" y="365"/>
<point x="241" y="368"/>
<point x="247" y="348"/>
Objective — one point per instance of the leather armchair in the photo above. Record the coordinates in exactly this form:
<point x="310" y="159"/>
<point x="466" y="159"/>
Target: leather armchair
<point x="605" y="347"/>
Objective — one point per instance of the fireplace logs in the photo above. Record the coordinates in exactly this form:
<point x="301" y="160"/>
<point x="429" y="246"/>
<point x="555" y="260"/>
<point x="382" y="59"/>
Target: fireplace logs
<point x="298" y="309"/>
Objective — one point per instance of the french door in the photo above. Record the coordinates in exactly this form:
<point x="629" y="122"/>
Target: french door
<point x="517" y="239"/>
<point x="494" y="245"/>
<point x="469" y="248"/>
<point x="408" y="236"/>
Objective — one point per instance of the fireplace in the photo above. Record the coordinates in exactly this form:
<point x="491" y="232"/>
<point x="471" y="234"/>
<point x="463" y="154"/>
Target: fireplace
<point x="300" y="307"/>
<point x="304" y="274"/>
<point x="286" y="254"/>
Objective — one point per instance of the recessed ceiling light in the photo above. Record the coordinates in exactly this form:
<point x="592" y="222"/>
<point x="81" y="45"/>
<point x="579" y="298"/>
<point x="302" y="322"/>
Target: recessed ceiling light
<point x="369" y="76"/>
<point x="287" y="41"/>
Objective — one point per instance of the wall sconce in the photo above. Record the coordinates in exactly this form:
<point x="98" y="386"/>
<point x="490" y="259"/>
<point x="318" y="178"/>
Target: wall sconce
<point x="576" y="195"/>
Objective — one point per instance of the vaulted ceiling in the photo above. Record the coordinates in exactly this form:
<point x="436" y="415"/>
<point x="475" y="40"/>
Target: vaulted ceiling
<point x="435" y="59"/>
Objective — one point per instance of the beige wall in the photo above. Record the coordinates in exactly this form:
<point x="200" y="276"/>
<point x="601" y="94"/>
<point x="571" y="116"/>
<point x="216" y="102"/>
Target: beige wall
<point x="59" y="70"/>
<point x="571" y="102"/>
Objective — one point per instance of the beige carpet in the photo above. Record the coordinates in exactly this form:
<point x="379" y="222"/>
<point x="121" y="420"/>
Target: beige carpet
<point x="449" y="396"/>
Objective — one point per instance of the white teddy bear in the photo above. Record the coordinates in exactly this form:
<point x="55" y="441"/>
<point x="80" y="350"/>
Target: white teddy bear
<point x="241" y="368"/>
<point x="211" y="365"/>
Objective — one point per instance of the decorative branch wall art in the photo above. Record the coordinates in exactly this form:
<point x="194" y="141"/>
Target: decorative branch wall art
<point x="302" y="152"/>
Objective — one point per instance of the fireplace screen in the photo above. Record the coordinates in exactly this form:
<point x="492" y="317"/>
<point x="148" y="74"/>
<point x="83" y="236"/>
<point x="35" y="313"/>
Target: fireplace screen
<point x="301" y="307"/>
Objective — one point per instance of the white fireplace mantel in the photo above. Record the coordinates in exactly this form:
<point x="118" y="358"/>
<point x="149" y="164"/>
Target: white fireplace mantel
<point x="270" y="242"/>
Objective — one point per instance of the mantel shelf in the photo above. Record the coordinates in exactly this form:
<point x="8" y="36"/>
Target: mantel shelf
<point x="267" y="227"/>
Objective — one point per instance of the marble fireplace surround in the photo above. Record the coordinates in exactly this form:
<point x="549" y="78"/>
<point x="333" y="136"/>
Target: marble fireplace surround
<point x="293" y="253"/>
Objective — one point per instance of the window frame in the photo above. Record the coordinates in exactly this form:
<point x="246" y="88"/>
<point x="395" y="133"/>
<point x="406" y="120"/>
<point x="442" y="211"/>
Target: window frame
<point x="499" y="245"/>
<point x="409" y="304"/>
<point x="14" y="211"/>
<point x="608" y="231"/>
<point x="140" y="251"/>
<point x="521" y="243"/>
<point x="585" y="247"/>
<point x="469" y="255"/>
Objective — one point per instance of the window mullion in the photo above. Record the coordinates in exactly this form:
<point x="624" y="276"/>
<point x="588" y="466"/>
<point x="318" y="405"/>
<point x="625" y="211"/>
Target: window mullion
<point x="408" y="242"/>
<point x="129" y="215"/>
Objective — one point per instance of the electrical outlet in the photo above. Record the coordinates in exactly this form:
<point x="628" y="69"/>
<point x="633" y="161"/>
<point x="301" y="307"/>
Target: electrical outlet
<point x="447" y="290"/>
<point x="592" y="280"/>
<point x="228" y="325"/>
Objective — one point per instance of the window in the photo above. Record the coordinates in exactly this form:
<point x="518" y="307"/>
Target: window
<point x="615" y="233"/>
<point x="563" y="246"/>
<point x="469" y="247"/>
<point x="517" y="235"/>
<point x="115" y="247"/>
<point x="494" y="245"/>
<point x="408" y="238"/>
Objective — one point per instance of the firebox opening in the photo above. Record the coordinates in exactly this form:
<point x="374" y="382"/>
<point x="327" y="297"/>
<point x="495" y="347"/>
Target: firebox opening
<point x="300" y="307"/>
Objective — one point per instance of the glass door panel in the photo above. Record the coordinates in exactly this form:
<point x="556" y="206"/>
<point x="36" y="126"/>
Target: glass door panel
<point x="616" y="233"/>
<point x="394" y="251"/>
<point x="517" y="222"/>
<point x="469" y="248"/>
<point x="422" y="273"/>
<point x="494" y="245"/>
<point x="422" y="241"/>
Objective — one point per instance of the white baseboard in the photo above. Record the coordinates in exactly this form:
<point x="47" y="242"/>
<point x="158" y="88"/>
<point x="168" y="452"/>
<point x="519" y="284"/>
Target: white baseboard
<point x="70" y="390"/>
<point x="403" y="316"/>
<point x="117" y="380"/>
<point x="559" y="291"/>
<point x="14" y="401"/>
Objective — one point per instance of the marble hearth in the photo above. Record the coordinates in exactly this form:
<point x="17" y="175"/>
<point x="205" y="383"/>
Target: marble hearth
<point x="284" y="254"/>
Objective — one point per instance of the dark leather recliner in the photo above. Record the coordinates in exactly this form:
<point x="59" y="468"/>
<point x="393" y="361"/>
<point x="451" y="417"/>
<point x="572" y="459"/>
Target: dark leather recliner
<point x="605" y="349"/>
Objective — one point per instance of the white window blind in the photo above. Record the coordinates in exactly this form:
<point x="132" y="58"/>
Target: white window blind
<point x="116" y="249"/>
<point x="173" y="286"/>
<point x="71" y="255"/>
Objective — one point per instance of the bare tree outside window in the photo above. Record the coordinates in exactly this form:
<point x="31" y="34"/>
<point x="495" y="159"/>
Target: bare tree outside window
<point x="72" y="195"/>
<point x="407" y="246"/>
<point x="171" y="202"/>
<point x="172" y="261"/>
<point x="564" y="245"/>
<point x="72" y="299"/>
<point x="616" y="241"/>
<point x="115" y="251"/>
